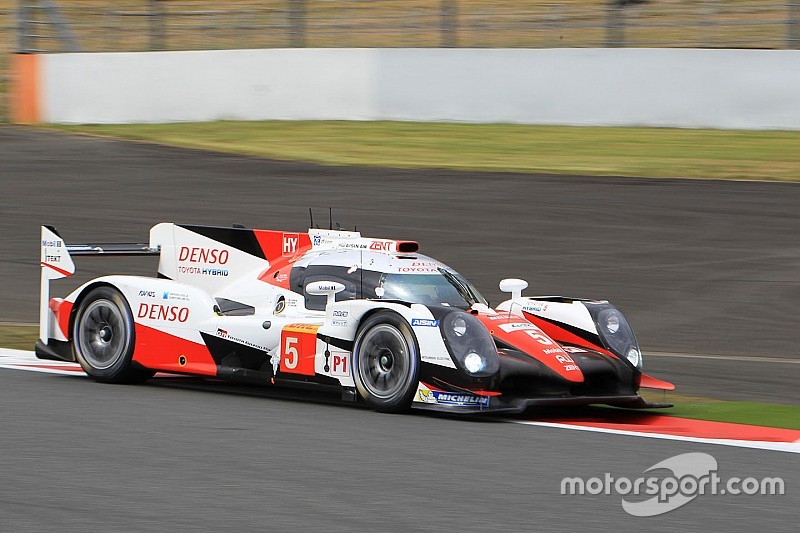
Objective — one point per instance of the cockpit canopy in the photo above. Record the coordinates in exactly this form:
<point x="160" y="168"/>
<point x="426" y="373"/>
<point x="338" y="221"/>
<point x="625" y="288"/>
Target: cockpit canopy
<point x="369" y="275"/>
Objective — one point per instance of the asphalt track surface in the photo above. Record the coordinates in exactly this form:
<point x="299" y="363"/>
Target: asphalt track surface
<point x="82" y="456"/>
<point x="697" y="266"/>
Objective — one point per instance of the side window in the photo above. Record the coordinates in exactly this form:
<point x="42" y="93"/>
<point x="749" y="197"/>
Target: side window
<point x="301" y="277"/>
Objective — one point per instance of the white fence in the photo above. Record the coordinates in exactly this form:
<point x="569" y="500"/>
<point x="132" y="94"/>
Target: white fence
<point x="690" y="88"/>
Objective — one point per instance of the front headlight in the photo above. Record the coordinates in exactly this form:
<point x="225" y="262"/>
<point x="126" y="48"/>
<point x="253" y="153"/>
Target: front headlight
<point x="470" y="344"/>
<point x="616" y="335"/>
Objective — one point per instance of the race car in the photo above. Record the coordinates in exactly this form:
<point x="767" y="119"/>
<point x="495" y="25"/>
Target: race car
<point x="369" y="319"/>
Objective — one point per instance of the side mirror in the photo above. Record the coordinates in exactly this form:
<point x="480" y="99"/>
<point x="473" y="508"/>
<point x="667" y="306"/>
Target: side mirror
<point x="330" y="288"/>
<point x="514" y="286"/>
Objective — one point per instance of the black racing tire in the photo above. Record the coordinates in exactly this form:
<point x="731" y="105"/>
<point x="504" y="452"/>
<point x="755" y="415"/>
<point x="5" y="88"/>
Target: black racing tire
<point x="103" y="338"/>
<point x="386" y="362"/>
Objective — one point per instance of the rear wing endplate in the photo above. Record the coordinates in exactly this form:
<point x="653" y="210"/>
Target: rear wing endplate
<point x="56" y="262"/>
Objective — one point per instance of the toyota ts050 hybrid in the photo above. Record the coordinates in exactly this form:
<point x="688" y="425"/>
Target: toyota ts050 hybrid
<point x="370" y="319"/>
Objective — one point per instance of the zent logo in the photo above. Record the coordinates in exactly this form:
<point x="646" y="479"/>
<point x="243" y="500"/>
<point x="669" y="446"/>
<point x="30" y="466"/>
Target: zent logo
<point x="290" y="241"/>
<point x="424" y="322"/>
<point x="166" y="313"/>
<point x="380" y="246"/>
<point x="209" y="256"/>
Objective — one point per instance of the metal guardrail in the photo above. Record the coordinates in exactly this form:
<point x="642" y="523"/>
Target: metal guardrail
<point x="129" y="25"/>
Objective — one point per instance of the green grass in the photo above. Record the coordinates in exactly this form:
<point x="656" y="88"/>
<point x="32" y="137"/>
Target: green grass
<point x="650" y="152"/>
<point x="755" y="413"/>
<point x="18" y="337"/>
<point x="760" y="414"/>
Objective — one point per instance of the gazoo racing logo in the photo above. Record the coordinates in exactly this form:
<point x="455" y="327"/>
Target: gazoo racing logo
<point x="428" y="322"/>
<point x="164" y="313"/>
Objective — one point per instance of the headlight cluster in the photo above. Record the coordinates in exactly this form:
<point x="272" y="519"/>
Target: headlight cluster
<point x="470" y="344"/>
<point x="615" y="332"/>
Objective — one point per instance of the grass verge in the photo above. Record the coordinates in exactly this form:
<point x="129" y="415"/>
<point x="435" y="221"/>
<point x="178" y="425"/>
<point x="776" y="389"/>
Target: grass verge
<point x="755" y="413"/>
<point x="650" y="152"/>
<point x="18" y="337"/>
<point x="759" y="414"/>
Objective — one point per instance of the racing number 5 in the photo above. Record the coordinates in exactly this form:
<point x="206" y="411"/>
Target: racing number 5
<point x="290" y="355"/>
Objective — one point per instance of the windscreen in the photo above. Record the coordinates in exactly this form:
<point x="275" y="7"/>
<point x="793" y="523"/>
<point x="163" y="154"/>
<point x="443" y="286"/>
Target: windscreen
<point x="445" y="288"/>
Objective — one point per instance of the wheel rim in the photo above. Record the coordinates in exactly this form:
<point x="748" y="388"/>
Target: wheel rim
<point x="102" y="334"/>
<point x="383" y="361"/>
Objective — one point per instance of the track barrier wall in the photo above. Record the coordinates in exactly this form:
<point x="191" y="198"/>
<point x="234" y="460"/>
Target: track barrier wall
<point x="687" y="88"/>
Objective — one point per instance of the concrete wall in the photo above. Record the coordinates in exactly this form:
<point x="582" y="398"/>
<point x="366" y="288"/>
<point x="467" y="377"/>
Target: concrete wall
<point x="751" y="89"/>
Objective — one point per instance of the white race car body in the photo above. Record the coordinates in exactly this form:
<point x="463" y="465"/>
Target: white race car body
<point x="284" y="308"/>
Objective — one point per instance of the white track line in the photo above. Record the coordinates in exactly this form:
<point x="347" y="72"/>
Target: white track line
<point x="20" y="359"/>
<point x="791" y="447"/>
<point x="747" y="358"/>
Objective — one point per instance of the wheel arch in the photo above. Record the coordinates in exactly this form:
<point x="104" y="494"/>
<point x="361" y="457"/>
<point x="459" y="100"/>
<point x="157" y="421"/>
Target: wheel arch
<point x="84" y="291"/>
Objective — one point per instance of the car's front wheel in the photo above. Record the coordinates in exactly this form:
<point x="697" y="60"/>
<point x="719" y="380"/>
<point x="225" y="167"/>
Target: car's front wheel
<point x="103" y="338"/>
<point x="386" y="362"/>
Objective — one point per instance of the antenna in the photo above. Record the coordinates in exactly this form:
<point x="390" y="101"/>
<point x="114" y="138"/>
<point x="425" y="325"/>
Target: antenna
<point x="330" y="218"/>
<point x="311" y="216"/>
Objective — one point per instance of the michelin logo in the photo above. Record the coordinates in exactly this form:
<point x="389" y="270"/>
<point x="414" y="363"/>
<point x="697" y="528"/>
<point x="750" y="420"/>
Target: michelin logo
<point x="453" y="398"/>
<point x="424" y="322"/>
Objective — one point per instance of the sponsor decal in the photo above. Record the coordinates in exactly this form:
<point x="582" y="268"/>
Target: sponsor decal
<point x="574" y="349"/>
<point x="518" y="326"/>
<point x="381" y="246"/>
<point x="223" y="334"/>
<point x="428" y="322"/>
<point x="203" y="271"/>
<point x="290" y="242"/>
<point x="567" y="361"/>
<point x="316" y="240"/>
<point x="165" y="313"/>
<point x="453" y="398"/>
<point x="353" y="245"/>
<point x="169" y="295"/>
<point x="339" y="323"/>
<point x="535" y="308"/>
<point x="209" y="256"/>
<point x="341" y="314"/>
<point x="52" y="244"/>
<point x="149" y="294"/>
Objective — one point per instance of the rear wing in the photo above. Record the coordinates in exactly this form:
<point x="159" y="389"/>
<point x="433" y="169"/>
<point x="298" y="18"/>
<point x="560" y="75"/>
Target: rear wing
<point x="56" y="263"/>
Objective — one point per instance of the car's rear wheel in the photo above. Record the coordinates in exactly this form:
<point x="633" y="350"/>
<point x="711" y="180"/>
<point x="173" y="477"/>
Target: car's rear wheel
<point x="386" y="362"/>
<point x="103" y="338"/>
